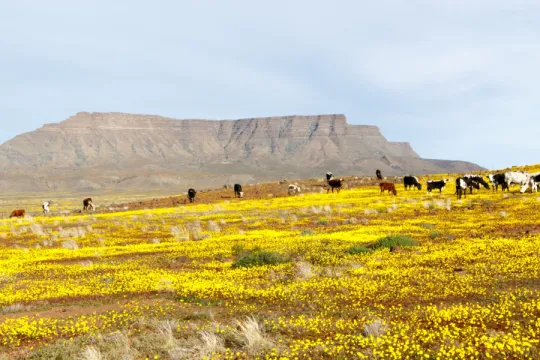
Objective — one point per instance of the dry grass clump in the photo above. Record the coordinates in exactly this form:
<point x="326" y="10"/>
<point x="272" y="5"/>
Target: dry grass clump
<point x="15" y="308"/>
<point x="304" y="270"/>
<point x="70" y="245"/>
<point x="252" y="336"/>
<point x="375" y="328"/>
<point x="213" y="226"/>
<point x="91" y="353"/>
<point x="180" y="233"/>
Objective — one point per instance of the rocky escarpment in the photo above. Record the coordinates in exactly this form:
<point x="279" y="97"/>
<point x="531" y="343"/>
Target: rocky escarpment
<point x="108" y="150"/>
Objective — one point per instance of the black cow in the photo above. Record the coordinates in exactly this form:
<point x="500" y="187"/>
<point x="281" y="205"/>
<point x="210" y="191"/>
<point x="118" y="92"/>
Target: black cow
<point x="463" y="183"/>
<point x="191" y="195"/>
<point x="477" y="179"/>
<point x="496" y="180"/>
<point x="88" y="204"/>
<point x="439" y="184"/>
<point x="378" y="174"/>
<point x="238" y="191"/>
<point x="411" y="181"/>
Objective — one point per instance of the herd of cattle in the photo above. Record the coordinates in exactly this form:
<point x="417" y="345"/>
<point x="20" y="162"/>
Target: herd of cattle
<point x="469" y="181"/>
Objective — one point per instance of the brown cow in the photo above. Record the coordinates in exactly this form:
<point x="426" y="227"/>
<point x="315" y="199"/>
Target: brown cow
<point x="17" y="213"/>
<point x="334" y="184"/>
<point x="388" y="186"/>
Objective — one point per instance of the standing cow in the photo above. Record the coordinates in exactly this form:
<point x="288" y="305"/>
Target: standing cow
<point x="238" y="191"/>
<point x="411" y="181"/>
<point x="191" y="195"/>
<point x="438" y="184"/>
<point x="388" y="186"/>
<point x="496" y="180"/>
<point x="462" y="183"/>
<point x="378" y="174"/>
<point x="46" y="206"/>
<point x="17" y="213"/>
<point x="477" y="179"/>
<point x="334" y="184"/>
<point x="88" y="205"/>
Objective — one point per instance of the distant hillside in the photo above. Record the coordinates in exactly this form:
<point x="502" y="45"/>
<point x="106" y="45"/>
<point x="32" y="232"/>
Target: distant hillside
<point x="125" y="151"/>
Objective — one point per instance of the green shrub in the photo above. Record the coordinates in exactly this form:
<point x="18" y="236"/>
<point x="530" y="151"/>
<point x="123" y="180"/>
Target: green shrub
<point x="322" y="222"/>
<point x="307" y="232"/>
<point x="393" y="240"/>
<point x="358" y="249"/>
<point x="259" y="258"/>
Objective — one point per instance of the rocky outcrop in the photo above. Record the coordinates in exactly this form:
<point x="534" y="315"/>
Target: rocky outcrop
<point x="108" y="150"/>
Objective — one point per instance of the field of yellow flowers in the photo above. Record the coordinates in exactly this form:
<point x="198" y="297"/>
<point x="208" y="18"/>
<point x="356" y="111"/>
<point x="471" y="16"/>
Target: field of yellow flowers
<point x="354" y="275"/>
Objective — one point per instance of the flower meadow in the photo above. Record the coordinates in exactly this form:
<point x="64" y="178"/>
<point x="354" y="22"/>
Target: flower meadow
<point x="354" y="275"/>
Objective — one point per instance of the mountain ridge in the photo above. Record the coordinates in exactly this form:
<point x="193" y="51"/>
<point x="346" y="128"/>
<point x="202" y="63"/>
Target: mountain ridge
<point x="95" y="147"/>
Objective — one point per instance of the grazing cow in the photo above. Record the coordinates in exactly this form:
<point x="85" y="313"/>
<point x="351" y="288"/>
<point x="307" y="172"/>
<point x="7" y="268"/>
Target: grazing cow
<point x="411" y="181"/>
<point x="496" y="180"/>
<point x="388" y="186"/>
<point x="191" y="195"/>
<point x="17" y="213"/>
<point x="462" y="183"/>
<point x="520" y="178"/>
<point x="329" y="176"/>
<point x="438" y="184"/>
<point x="477" y="179"/>
<point x="334" y="184"/>
<point x="293" y="189"/>
<point x="238" y="191"/>
<point x="88" y="204"/>
<point x="46" y="207"/>
<point x="378" y="174"/>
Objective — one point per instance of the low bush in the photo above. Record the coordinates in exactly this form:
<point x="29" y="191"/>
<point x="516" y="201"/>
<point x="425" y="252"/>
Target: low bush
<point x="357" y="249"/>
<point x="259" y="258"/>
<point x="393" y="240"/>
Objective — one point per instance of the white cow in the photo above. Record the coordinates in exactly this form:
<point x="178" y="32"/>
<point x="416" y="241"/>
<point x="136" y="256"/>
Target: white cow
<point x="294" y="189"/>
<point x="523" y="179"/>
<point x="46" y="206"/>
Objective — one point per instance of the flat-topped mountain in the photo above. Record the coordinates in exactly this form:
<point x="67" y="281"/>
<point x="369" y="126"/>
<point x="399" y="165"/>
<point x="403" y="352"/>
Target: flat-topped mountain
<point x="117" y="150"/>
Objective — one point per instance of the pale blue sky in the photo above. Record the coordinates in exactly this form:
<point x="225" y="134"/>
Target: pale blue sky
<point x="458" y="79"/>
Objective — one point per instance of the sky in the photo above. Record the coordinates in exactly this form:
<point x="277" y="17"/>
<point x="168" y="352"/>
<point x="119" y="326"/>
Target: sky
<point x="458" y="79"/>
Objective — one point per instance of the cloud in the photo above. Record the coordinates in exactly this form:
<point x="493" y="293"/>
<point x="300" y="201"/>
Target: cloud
<point x="455" y="78"/>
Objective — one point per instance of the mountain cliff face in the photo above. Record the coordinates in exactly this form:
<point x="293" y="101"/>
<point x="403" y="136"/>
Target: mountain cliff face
<point x="109" y="150"/>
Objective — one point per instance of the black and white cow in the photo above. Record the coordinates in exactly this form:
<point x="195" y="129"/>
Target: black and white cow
<point x="523" y="179"/>
<point x="536" y="178"/>
<point x="378" y="174"/>
<point x="438" y="184"/>
<point x="478" y="179"/>
<point x="191" y="195"/>
<point x="46" y="206"/>
<point x="496" y="180"/>
<point x="293" y="189"/>
<point x="329" y="176"/>
<point x="238" y="191"/>
<point x="411" y="181"/>
<point x="462" y="183"/>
